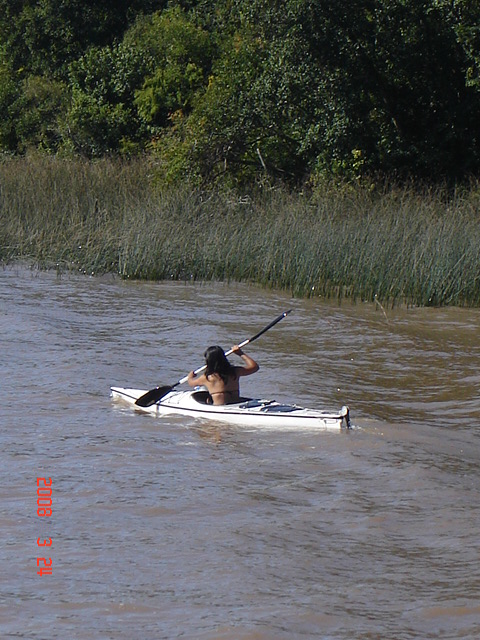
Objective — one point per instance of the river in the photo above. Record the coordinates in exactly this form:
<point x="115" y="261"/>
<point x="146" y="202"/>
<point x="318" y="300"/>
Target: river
<point x="165" y="528"/>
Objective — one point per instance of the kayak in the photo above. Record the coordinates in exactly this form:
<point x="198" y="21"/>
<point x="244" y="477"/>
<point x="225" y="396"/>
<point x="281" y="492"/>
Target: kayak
<point x="247" y="412"/>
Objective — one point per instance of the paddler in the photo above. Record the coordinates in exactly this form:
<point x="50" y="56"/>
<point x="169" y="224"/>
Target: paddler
<point x="221" y="377"/>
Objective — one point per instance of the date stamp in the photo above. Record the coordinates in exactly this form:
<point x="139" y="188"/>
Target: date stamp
<point x="44" y="510"/>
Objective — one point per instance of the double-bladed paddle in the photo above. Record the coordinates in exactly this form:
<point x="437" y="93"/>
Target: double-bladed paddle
<point x="154" y="395"/>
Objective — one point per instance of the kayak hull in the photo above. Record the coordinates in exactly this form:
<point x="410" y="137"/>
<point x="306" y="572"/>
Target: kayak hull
<point x="248" y="412"/>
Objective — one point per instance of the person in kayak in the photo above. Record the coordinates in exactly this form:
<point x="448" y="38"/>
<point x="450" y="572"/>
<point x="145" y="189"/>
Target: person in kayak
<point x="222" y="378"/>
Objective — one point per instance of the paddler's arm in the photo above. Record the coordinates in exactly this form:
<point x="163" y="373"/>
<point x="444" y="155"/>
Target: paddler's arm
<point x="250" y="365"/>
<point x="195" y="381"/>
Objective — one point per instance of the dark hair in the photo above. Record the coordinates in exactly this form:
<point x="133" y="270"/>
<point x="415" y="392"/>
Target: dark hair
<point x="217" y="363"/>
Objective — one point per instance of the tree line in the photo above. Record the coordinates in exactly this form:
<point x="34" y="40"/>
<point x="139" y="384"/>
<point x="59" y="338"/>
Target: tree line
<point x="244" y="89"/>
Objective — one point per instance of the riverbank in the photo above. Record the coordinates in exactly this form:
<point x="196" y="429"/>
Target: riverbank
<point x="392" y="244"/>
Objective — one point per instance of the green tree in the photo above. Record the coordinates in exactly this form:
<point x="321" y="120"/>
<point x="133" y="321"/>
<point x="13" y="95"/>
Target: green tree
<point x="39" y="108"/>
<point x="181" y="53"/>
<point x="9" y="93"/>
<point x="466" y="22"/>
<point x="45" y="36"/>
<point x="284" y="88"/>
<point x="260" y="108"/>
<point x="123" y="95"/>
<point x="401" y="76"/>
<point x="350" y="87"/>
<point x="101" y="117"/>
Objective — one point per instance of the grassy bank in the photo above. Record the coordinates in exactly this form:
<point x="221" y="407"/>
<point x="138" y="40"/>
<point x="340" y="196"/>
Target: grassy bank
<point x="398" y="245"/>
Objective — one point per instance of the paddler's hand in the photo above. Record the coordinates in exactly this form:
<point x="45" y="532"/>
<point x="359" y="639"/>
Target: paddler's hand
<point x="237" y="351"/>
<point x="250" y="365"/>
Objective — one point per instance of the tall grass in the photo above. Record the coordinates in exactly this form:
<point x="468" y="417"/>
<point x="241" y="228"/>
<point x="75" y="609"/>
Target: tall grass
<point x="398" y="244"/>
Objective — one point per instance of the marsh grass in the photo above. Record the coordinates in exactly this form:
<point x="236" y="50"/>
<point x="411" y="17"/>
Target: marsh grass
<point x="394" y="245"/>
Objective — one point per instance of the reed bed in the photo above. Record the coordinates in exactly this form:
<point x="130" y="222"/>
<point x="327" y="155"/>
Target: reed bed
<point x="396" y="245"/>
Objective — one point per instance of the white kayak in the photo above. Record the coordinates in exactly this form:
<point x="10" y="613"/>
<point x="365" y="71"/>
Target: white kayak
<point x="248" y="412"/>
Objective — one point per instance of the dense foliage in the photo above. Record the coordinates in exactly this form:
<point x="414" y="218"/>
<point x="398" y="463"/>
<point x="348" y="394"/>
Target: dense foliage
<point x="293" y="89"/>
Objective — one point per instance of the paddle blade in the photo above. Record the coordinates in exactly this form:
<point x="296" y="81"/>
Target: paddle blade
<point x="152" y="396"/>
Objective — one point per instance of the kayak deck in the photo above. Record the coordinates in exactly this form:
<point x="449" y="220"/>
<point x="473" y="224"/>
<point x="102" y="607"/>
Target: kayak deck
<point x="247" y="412"/>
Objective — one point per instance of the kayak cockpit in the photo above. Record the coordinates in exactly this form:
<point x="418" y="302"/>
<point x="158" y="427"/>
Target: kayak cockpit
<point x="203" y="397"/>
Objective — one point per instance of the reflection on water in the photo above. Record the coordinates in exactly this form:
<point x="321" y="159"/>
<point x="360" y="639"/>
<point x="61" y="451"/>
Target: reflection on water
<point x="166" y="528"/>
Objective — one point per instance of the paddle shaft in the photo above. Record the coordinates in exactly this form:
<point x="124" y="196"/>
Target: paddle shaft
<point x="242" y="344"/>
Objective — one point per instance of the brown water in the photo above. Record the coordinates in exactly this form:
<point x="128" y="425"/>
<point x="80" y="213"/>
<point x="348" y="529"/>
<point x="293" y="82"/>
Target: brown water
<point x="168" y="528"/>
